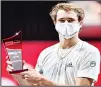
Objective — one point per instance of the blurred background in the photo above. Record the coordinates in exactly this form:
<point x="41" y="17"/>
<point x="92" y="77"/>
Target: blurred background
<point x="38" y="31"/>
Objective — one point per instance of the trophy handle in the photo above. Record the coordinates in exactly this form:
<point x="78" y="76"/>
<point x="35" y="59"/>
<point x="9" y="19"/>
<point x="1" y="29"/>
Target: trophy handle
<point x="18" y="71"/>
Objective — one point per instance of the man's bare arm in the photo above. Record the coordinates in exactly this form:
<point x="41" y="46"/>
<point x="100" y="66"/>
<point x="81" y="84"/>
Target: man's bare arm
<point x="79" y="82"/>
<point x="84" y="81"/>
<point x="32" y="75"/>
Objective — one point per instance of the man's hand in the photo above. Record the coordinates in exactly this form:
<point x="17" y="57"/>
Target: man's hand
<point x="36" y="79"/>
<point x="18" y="76"/>
<point x="33" y="77"/>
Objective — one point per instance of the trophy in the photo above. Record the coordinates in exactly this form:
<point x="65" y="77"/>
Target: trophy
<point x="13" y="47"/>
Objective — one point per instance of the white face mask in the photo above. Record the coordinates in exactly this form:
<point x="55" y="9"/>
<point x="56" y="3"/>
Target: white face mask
<point x="67" y="30"/>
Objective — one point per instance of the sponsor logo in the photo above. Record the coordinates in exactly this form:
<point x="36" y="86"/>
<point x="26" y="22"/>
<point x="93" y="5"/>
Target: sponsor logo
<point x="70" y="64"/>
<point x="92" y="63"/>
<point x="12" y="42"/>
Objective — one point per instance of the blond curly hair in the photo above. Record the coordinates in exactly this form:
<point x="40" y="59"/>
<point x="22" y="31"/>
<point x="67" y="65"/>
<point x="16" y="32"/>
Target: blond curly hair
<point x="67" y="7"/>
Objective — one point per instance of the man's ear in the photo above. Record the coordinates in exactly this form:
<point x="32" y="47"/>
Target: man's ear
<point x="81" y="23"/>
<point x="54" y="22"/>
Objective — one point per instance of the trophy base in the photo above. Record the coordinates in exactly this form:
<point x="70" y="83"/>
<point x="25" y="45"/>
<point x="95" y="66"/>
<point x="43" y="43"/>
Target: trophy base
<point x="18" y="71"/>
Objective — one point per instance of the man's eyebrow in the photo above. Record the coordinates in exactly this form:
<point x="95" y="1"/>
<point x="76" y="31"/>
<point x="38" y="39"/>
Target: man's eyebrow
<point x="69" y="18"/>
<point x="61" y="18"/>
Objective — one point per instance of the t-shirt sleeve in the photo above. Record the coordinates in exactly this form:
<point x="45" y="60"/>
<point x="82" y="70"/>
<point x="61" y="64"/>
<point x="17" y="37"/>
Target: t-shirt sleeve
<point x="38" y="67"/>
<point x="90" y="66"/>
<point x="42" y="57"/>
<point x="39" y="64"/>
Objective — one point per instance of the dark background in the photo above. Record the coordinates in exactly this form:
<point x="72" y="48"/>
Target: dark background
<point x="31" y="17"/>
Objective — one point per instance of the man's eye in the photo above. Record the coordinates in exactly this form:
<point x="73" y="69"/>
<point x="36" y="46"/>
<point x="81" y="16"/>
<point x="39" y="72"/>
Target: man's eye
<point x="62" y="21"/>
<point x="70" y="21"/>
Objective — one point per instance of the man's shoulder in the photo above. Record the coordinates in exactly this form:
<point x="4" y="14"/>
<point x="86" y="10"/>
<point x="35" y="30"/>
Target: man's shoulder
<point x="89" y="47"/>
<point x="49" y="49"/>
<point x="89" y="53"/>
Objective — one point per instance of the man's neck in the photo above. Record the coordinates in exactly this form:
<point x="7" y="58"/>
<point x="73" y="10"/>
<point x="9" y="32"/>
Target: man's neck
<point x="68" y="43"/>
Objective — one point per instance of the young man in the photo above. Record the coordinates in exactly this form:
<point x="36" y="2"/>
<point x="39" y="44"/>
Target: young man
<point x="71" y="62"/>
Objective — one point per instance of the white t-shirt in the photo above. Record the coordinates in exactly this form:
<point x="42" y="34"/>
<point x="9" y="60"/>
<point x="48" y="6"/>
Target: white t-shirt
<point x="81" y="60"/>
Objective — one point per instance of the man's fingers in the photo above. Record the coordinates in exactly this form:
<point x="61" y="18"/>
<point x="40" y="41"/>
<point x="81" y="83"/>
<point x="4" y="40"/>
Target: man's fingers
<point x="27" y="65"/>
<point x="31" y="69"/>
<point x="24" y="73"/>
<point x="24" y="61"/>
<point x="8" y="62"/>
<point x="7" y="57"/>
<point x="24" y="65"/>
<point x="26" y="76"/>
<point x="10" y="67"/>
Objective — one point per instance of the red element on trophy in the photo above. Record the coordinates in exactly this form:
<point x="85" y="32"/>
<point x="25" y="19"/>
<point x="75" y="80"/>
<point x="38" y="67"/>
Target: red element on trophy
<point x="13" y="47"/>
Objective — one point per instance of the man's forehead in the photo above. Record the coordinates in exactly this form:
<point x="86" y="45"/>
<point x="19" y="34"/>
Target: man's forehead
<point x="66" y="14"/>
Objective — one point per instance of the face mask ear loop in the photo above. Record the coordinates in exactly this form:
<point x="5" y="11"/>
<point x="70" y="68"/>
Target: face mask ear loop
<point x="60" y="34"/>
<point x="80" y="27"/>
